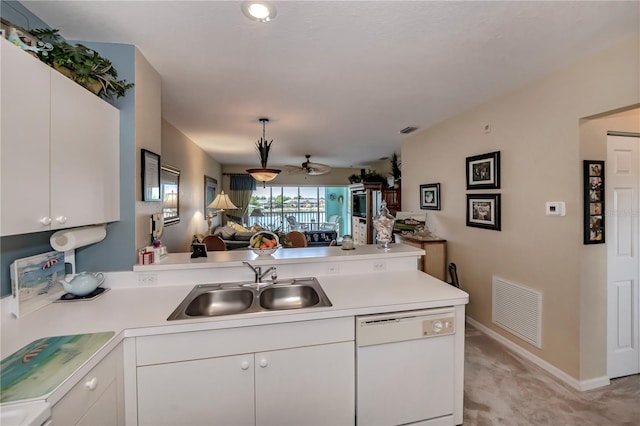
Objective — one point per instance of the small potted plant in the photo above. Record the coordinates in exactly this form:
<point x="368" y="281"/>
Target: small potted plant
<point x="82" y="65"/>
<point x="395" y="170"/>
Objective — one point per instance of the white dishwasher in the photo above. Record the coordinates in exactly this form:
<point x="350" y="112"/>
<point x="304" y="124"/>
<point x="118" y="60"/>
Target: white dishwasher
<point x="405" y="368"/>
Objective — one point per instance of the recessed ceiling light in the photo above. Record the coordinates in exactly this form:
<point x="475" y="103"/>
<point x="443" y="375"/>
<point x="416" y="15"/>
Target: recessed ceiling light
<point x="260" y="11"/>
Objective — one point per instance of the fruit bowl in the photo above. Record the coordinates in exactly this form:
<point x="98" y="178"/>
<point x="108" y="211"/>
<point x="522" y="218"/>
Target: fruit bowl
<point x="264" y="243"/>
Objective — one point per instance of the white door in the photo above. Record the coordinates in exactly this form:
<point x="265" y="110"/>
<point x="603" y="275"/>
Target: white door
<point x="622" y="180"/>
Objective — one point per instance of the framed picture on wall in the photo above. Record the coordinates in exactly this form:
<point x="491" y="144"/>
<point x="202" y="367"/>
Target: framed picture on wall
<point x="594" y="229"/>
<point x="170" y="181"/>
<point x="150" y="176"/>
<point x="210" y="192"/>
<point x="483" y="171"/>
<point x="483" y="211"/>
<point x="430" y="196"/>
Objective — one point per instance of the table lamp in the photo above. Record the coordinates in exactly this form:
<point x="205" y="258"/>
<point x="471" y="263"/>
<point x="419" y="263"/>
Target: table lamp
<point x="221" y="203"/>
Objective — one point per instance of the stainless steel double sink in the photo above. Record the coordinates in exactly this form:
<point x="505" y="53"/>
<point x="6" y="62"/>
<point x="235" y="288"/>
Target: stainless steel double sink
<point x="206" y="300"/>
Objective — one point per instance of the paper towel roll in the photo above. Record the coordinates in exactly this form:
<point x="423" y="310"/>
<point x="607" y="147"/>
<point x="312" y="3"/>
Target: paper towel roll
<point x="70" y="239"/>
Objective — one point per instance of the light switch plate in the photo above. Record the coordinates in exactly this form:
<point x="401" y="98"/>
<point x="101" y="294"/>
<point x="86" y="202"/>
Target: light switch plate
<point x="556" y="208"/>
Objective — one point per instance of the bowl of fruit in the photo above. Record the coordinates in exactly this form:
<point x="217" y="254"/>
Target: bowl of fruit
<point x="264" y="243"/>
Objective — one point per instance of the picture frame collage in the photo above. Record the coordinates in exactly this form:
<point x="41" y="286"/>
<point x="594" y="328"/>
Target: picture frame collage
<point x="484" y="210"/>
<point x="594" y="208"/>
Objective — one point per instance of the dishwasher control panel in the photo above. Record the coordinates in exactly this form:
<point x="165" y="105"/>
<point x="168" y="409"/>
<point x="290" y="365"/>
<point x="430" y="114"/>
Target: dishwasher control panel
<point x="402" y="326"/>
<point x="437" y="326"/>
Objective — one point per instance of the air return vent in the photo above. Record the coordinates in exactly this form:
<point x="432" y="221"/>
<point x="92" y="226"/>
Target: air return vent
<point x="408" y="129"/>
<point x="518" y="309"/>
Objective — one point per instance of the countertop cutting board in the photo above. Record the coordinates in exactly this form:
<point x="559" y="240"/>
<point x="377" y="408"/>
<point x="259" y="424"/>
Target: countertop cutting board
<point x="42" y="365"/>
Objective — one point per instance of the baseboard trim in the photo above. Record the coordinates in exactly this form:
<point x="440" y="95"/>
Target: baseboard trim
<point x="581" y="385"/>
<point x="597" y="382"/>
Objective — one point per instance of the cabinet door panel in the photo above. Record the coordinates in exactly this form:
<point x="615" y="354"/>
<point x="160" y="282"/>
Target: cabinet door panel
<point x="104" y="412"/>
<point x="81" y="145"/>
<point x="24" y="142"/>
<point x="214" y="391"/>
<point x="306" y="386"/>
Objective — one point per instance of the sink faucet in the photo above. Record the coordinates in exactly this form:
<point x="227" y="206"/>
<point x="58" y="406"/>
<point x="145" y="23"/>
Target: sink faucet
<point x="259" y="275"/>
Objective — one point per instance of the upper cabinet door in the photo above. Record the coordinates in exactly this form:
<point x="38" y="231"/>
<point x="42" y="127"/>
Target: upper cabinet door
<point x="24" y="142"/>
<point x="84" y="156"/>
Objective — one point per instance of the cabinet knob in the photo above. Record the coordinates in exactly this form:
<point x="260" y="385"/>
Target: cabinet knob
<point x="45" y="221"/>
<point x="92" y="384"/>
<point x="244" y="365"/>
<point x="61" y="219"/>
<point x="263" y="363"/>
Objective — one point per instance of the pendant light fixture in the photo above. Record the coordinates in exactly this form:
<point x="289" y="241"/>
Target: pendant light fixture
<point x="263" y="174"/>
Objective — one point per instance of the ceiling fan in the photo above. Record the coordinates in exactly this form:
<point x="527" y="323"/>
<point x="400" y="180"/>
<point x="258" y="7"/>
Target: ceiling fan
<point x="310" y="168"/>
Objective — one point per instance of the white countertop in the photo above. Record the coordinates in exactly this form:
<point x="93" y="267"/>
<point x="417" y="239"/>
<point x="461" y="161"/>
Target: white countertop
<point x="144" y="311"/>
<point x="131" y="311"/>
<point x="232" y="258"/>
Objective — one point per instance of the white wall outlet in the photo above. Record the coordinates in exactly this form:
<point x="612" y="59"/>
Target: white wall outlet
<point x="147" y="279"/>
<point x="555" y="208"/>
<point x="379" y="265"/>
<point x="333" y="268"/>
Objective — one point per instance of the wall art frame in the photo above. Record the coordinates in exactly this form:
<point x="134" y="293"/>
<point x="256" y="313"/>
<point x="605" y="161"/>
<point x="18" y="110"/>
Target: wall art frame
<point x="150" y="176"/>
<point x="430" y="196"/>
<point x="483" y="211"/>
<point x="483" y="171"/>
<point x="210" y="192"/>
<point x="594" y="217"/>
<point x="170" y="183"/>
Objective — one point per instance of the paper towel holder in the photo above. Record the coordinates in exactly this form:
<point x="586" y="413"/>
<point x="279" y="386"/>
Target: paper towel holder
<point x="67" y="240"/>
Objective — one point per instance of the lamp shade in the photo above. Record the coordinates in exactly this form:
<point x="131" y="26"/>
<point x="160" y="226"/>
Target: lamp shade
<point x="263" y="175"/>
<point x="222" y="202"/>
<point x="171" y="200"/>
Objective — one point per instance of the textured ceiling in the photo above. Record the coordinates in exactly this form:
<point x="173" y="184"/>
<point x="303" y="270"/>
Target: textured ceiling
<point x="338" y="79"/>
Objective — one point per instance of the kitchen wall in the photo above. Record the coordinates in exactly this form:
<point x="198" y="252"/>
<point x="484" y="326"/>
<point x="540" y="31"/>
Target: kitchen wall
<point x="148" y="124"/>
<point x="593" y="276"/>
<point x="537" y="130"/>
<point x="180" y="152"/>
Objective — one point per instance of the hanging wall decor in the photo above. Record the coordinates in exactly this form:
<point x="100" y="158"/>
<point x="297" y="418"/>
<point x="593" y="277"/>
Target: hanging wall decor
<point x="150" y="176"/>
<point x="430" y="196"/>
<point x="483" y="211"/>
<point x="594" y="229"/>
<point x="483" y="171"/>
<point x="170" y="183"/>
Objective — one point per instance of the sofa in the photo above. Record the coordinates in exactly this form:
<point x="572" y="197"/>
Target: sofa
<point x="234" y="236"/>
<point x="320" y="238"/>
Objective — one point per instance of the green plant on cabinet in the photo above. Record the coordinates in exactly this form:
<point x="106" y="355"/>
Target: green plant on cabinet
<point x="82" y="65"/>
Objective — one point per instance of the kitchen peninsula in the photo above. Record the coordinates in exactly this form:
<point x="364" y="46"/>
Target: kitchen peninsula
<point x="284" y="366"/>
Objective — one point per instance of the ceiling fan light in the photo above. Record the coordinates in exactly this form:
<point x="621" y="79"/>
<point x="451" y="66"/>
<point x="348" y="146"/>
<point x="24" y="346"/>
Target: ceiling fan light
<point x="260" y="11"/>
<point x="263" y="175"/>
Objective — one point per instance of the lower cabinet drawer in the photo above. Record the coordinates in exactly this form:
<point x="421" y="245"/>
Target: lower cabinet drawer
<point x="81" y="398"/>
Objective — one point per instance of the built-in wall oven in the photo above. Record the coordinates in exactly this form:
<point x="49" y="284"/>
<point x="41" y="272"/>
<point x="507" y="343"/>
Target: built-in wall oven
<point x="405" y="368"/>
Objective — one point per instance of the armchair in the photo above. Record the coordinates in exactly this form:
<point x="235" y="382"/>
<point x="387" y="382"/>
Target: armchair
<point x="332" y="224"/>
<point x="294" y="225"/>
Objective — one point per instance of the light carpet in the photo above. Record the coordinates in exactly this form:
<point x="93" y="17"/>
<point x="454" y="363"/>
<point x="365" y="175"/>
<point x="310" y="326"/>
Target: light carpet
<point x="502" y="388"/>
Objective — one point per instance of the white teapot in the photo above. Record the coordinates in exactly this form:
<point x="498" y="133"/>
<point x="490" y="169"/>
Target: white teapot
<point x="83" y="283"/>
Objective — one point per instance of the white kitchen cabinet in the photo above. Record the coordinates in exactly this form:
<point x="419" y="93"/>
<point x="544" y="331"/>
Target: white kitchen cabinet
<point x="306" y="386"/>
<point x="24" y="141"/>
<point x="215" y="391"/>
<point x="296" y="386"/>
<point x="60" y="150"/>
<point x="85" y="183"/>
<point x="97" y="399"/>
<point x="300" y="373"/>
